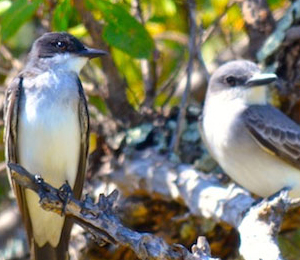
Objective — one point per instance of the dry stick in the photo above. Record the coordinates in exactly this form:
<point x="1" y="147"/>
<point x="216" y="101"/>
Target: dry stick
<point x="192" y="50"/>
<point x="148" y="67"/>
<point x="8" y="56"/>
<point x="174" y="75"/>
<point x="212" y="28"/>
<point x="4" y="71"/>
<point x="172" y="83"/>
<point x="101" y="220"/>
<point x="258" y="223"/>
<point x="199" y="54"/>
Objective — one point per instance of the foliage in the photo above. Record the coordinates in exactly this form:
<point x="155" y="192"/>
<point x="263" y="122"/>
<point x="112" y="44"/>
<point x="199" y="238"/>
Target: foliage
<point x="18" y="13"/>
<point x="163" y="22"/>
<point x="163" y="30"/>
<point x="146" y="40"/>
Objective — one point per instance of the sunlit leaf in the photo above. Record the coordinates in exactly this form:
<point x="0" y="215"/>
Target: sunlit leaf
<point x="163" y="7"/>
<point x="233" y="20"/>
<point x="19" y="12"/>
<point x="123" y="31"/>
<point x="276" y="3"/>
<point x="93" y="142"/>
<point x="4" y="5"/>
<point x="130" y="68"/>
<point x="98" y="103"/>
<point x="61" y="15"/>
<point x="78" y="30"/>
<point x="219" y="5"/>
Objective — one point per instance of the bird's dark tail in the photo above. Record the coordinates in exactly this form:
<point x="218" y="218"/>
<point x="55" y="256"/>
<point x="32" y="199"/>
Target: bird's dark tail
<point x="48" y="252"/>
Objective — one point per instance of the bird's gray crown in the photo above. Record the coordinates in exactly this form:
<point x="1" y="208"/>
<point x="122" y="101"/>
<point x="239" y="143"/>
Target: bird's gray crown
<point x="234" y="73"/>
<point x="54" y="43"/>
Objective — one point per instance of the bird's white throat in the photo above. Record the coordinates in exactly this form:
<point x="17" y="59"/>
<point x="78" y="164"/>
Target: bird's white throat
<point x="66" y="62"/>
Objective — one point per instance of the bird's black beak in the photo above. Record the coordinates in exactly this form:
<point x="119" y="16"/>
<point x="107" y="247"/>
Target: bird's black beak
<point x="260" y="79"/>
<point x="91" y="53"/>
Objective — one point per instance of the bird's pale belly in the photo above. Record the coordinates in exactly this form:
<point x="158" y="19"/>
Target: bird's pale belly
<point x="261" y="173"/>
<point x="49" y="145"/>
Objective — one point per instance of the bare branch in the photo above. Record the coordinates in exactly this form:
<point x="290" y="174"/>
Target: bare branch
<point x="199" y="54"/>
<point x="212" y="28"/>
<point x="148" y="67"/>
<point x="192" y="51"/>
<point x="265" y="217"/>
<point x="205" y="196"/>
<point x="100" y="219"/>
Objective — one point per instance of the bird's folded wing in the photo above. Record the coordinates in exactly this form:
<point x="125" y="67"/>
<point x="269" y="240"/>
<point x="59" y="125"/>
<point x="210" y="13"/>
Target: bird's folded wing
<point x="84" y="145"/>
<point x="274" y="132"/>
<point x="12" y="97"/>
<point x="11" y="110"/>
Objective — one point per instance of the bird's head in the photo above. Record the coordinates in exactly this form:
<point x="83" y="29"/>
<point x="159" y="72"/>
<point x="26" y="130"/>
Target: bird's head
<point x="240" y="79"/>
<point x="62" y="50"/>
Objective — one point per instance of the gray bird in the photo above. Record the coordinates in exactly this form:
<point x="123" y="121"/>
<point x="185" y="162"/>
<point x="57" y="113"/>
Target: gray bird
<point x="47" y="131"/>
<point x="255" y="143"/>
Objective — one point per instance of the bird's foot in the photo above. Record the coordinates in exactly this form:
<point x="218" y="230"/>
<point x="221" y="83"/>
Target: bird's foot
<point x="65" y="193"/>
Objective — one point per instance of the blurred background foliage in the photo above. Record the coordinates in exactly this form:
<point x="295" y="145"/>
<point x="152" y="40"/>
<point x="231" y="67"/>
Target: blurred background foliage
<point x="148" y="45"/>
<point x="162" y="34"/>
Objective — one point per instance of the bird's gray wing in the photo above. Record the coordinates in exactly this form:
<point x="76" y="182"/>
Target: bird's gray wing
<point x="84" y="145"/>
<point x="11" y="111"/>
<point x="274" y="132"/>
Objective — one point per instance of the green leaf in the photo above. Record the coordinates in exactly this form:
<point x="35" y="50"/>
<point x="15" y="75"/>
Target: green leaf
<point x="4" y="5"/>
<point x="61" y="16"/>
<point x="98" y="103"/>
<point x="123" y="31"/>
<point x="19" y="12"/>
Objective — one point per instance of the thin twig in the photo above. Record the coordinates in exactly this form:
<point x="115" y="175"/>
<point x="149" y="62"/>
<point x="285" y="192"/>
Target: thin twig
<point x="192" y="51"/>
<point x="148" y="67"/>
<point x="199" y="54"/>
<point x="4" y="71"/>
<point x="212" y="28"/>
<point x="171" y="80"/>
<point x="172" y="83"/>
<point x="8" y="56"/>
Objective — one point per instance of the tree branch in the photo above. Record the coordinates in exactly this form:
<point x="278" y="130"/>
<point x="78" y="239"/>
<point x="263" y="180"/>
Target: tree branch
<point x="100" y="219"/>
<point x="206" y="197"/>
<point x="192" y="51"/>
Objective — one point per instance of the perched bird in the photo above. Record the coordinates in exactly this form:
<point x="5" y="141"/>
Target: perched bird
<point x="255" y="143"/>
<point x="46" y="132"/>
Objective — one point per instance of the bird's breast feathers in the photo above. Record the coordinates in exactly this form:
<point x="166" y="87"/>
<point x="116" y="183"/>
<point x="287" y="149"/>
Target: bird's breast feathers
<point x="217" y="124"/>
<point x="49" y="143"/>
<point x="49" y="131"/>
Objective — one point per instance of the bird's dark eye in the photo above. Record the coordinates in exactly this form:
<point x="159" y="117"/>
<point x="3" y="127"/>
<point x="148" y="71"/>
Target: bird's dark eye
<point x="61" y="45"/>
<point x="231" y="81"/>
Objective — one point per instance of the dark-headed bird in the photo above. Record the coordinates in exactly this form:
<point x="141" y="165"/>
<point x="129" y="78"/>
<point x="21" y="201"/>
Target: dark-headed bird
<point x="46" y="132"/>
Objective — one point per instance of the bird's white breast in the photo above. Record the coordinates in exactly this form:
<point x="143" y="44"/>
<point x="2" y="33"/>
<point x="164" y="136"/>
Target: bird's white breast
<point x="219" y="116"/>
<point x="49" y="142"/>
